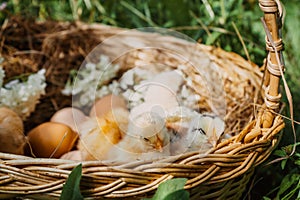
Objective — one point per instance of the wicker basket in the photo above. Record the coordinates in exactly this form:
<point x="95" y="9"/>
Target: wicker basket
<point x="222" y="173"/>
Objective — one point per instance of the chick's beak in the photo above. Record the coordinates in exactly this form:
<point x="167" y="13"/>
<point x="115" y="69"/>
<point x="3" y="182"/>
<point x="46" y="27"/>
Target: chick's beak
<point x="159" y="145"/>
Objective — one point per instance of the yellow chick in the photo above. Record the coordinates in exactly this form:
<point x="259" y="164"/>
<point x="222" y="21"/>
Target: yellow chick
<point x="98" y="136"/>
<point x="146" y="138"/>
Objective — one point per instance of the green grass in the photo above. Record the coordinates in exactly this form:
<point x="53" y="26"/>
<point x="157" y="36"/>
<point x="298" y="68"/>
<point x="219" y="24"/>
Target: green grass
<point x="212" y="22"/>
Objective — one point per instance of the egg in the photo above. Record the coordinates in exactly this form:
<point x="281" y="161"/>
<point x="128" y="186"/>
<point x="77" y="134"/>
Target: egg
<point x="163" y="88"/>
<point x="69" y="116"/>
<point x="72" y="155"/>
<point x="12" y="138"/>
<point x="106" y="104"/>
<point x="51" y="140"/>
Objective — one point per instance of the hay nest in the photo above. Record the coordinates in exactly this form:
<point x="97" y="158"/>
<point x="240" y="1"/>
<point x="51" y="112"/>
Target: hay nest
<point x="60" y="47"/>
<point x="57" y="47"/>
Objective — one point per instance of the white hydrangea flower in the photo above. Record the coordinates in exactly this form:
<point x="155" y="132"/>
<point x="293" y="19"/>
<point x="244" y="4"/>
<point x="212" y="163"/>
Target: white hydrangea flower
<point x="22" y="97"/>
<point x="115" y="88"/>
<point x="94" y="81"/>
<point x="103" y="91"/>
<point x="188" y="97"/>
<point x="90" y="82"/>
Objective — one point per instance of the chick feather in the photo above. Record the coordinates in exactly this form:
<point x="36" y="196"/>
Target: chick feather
<point x="98" y="136"/>
<point x="204" y="132"/>
<point x="146" y="138"/>
<point x="193" y="131"/>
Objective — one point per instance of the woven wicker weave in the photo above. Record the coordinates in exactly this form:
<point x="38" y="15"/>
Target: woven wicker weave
<point x="222" y="173"/>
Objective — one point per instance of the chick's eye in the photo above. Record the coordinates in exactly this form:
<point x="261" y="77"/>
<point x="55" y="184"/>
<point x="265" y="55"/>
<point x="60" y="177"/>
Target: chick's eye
<point x="146" y="139"/>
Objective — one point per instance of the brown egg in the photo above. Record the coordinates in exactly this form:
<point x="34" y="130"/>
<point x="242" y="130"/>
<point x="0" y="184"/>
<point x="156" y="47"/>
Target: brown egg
<point x="51" y="140"/>
<point x="69" y="116"/>
<point x="12" y="138"/>
<point x="106" y="104"/>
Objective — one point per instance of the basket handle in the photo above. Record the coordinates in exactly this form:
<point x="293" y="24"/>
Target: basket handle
<point x="274" y="61"/>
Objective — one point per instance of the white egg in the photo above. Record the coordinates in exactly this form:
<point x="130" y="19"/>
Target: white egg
<point x="69" y="116"/>
<point x="72" y="155"/>
<point x="163" y="88"/>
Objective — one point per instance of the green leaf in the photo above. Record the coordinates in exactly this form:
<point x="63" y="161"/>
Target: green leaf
<point x="287" y="182"/>
<point x="297" y="162"/>
<point x="170" y="187"/>
<point x="71" y="189"/>
<point x="179" y="194"/>
<point x="297" y="155"/>
<point x="212" y="38"/>
<point x="283" y="163"/>
<point x="280" y="153"/>
<point x="293" y="190"/>
<point x="266" y="198"/>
